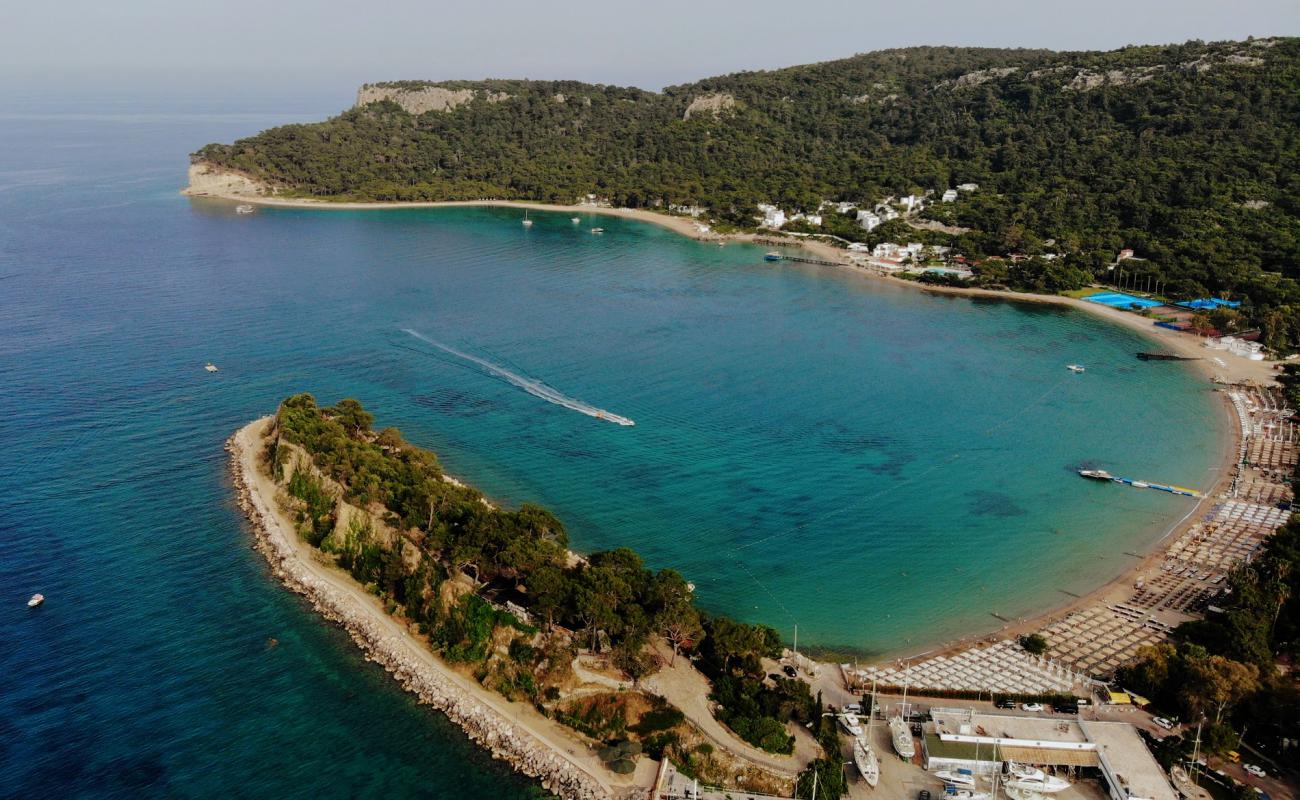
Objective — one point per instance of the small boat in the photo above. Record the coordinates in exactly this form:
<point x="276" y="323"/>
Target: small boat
<point x="1030" y="779"/>
<point x="867" y="762"/>
<point x="243" y="208"/>
<point x="527" y="222"/>
<point x="1096" y="474"/>
<point x="953" y="793"/>
<point x="1075" y="368"/>
<point x="36" y="600"/>
<point x="210" y="367"/>
<point x="849" y="722"/>
<point x="1141" y="484"/>
<point x="962" y="778"/>
<point x="772" y="256"/>
<point x="597" y="230"/>
<point x="575" y="220"/>
<point x="902" y="737"/>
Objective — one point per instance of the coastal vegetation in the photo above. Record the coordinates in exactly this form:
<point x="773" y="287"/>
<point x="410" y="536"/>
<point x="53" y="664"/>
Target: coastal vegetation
<point x="1185" y="153"/>
<point x="497" y="591"/>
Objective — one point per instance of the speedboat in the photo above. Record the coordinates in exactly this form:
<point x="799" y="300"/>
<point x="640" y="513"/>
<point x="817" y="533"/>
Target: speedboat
<point x="210" y="367"/>
<point x="575" y="220"/>
<point x="243" y="208"/>
<point x="1030" y="779"/>
<point x="772" y="256"/>
<point x="867" y="762"/>
<point x="962" y="778"/>
<point x="597" y="230"/>
<point x="902" y="737"/>
<point x="1096" y="474"/>
<point x="36" y="600"/>
<point x="1074" y="367"/>
<point x="849" y="722"/>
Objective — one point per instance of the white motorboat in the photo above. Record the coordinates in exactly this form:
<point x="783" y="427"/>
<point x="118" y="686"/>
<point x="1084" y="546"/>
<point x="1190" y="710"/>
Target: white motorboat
<point x="36" y="600"/>
<point x="867" y="762"/>
<point x="210" y="367"/>
<point x="962" y="778"/>
<point x="966" y="794"/>
<point x="1030" y="779"/>
<point x="849" y="722"/>
<point x="902" y="737"/>
<point x="1074" y="367"/>
<point x="244" y="208"/>
<point x="575" y="220"/>
<point x="597" y="230"/>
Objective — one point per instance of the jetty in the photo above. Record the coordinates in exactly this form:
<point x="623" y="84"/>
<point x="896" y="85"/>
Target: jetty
<point x="1094" y="474"/>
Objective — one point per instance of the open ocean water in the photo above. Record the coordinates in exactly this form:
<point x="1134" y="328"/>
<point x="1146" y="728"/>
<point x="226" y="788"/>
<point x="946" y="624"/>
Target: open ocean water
<point x="881" y="467"/>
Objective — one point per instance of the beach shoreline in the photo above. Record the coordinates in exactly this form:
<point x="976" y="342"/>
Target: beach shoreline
<point x="512" y="732"/>
<point x="1231" y="369"/>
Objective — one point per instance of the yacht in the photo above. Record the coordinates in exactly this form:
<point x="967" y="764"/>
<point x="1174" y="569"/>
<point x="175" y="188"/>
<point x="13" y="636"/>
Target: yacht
<point x="210" y="367"/>
<point x="597" y="230"/>
<point x="1096" y="474"/>
<point x="1074" y="367"/>
<point x="36" y="600"/>
<point x="867" y="762"/>
<point x="575" y="220"/>
<point x="1030" y="779"/>
<point x="849" y="722"/>
<point x="902" y="737"/>
<point x="527" y="222"/>
<point x="243" y="208"/>
<point x="962" y="778"/>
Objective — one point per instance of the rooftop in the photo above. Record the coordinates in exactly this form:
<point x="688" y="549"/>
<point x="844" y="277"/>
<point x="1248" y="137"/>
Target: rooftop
<point x="1131" y="761"/>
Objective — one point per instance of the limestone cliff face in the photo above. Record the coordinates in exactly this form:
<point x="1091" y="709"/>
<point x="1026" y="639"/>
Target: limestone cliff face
<point x="714" y="104"/>
<point x="212" y="181"/>
<point x="422" y="99"/>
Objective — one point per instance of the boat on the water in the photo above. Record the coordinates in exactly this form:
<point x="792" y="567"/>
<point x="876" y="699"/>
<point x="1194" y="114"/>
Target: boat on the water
<point x="244" y="208"/>
<point x="575" y="220"/>
<point x="36" y="600"/>
<point x="210" y="367"/>
<point x="849" y="722"/>
<point x="962" y="778"/>
<point x="867" y="762"/>
<point x="527" y="222"/>
<point x="597" y="230"/>
<point x="901" y="735"/>
<point x="1096" y="474"/>
<point x="1031" y="779"/>
<point x="1076" y="368"/>
<point x="772" y="256"/>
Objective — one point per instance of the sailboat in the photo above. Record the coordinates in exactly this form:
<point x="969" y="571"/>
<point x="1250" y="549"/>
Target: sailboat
<point x="527" y="222"/>
<point x="867" y="762"/>
<point x="902" y="737"/>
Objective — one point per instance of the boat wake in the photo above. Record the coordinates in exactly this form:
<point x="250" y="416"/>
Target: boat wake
<point x="534" y="387"/>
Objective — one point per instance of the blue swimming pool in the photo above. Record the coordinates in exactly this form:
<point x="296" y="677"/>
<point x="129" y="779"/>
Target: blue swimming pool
<point x="1121" y="300"/>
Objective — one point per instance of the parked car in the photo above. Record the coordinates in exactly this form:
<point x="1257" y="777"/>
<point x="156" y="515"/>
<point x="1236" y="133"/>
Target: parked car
<point x="1065" y="707"/>
<point x="1006" y="704"/>
<point x="1164" y="723"/>
<point x="1035" y="707"/>
<point x="924" y="794"/>
<point x="1258" y="772"/>
<point x="855" y="708"/>
<point x="790" y="671"/>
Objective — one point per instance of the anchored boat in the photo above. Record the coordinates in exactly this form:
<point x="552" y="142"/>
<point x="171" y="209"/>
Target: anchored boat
<point x="1097" y="474"/>
<point x="36" y="600"/>
<point x="772" y="256"/>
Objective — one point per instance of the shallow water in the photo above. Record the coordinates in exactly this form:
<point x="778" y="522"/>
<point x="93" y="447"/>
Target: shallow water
<point x="881" y="467"/>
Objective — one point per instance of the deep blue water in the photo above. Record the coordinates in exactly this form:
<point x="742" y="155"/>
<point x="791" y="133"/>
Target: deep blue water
<point x="882" y="467"/>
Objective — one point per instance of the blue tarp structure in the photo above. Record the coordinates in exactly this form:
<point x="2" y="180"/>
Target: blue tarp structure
<point x="1209" y="303"/>
<point x="1121" y="300"/>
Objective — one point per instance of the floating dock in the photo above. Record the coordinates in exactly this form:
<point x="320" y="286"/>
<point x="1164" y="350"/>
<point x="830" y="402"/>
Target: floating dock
<point x="1159" y="487"/>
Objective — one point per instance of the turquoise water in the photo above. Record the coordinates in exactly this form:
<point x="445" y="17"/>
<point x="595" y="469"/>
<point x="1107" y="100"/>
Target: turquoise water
<point x="881" y="467"/>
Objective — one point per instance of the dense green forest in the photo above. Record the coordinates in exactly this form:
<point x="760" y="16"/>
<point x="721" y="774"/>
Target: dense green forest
<point x="443" y="533"/>
<point x="1189" y="154"/>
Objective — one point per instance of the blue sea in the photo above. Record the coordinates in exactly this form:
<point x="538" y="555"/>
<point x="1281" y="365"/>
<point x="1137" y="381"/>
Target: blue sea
<point x="881" y="467"/>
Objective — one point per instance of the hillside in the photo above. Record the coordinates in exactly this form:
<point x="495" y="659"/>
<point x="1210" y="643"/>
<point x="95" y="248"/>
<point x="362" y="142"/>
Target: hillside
<point x="1189" y="154"/>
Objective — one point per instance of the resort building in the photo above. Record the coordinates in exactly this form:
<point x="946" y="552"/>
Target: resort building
<point x="967" y="187"/>
<point x="773" y="217"/>
<point x="960" y="738"/>
<point x="949" y="195"/>
<point x="869" y="220"/>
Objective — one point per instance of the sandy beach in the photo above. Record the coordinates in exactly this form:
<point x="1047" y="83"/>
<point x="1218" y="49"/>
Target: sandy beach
<point x="1211" y="363"/>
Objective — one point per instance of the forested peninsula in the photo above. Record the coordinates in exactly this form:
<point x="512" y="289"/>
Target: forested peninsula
<point x="1188" y="155"/>
<point x="598" y="644"/>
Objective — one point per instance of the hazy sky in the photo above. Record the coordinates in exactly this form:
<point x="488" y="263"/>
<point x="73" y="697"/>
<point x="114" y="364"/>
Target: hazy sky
<point x="219" y="45"/>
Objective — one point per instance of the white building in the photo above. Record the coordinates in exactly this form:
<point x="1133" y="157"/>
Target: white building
<point x="869" y="220"/>
<point x="773" y="217"/>
<point x="967" y="187"/>
<point x="950" y="195"/>
<point x="913" y="202"/>
<point x="888" y="213"/>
